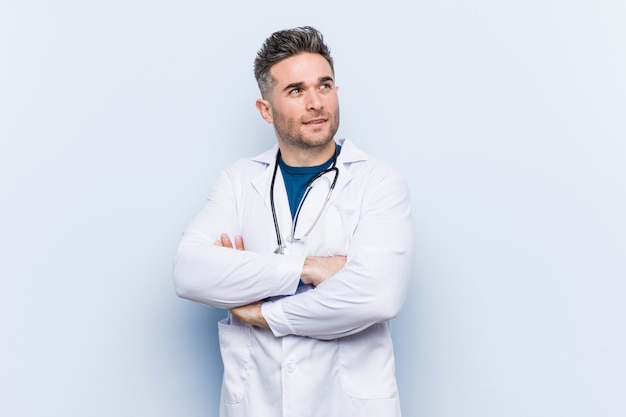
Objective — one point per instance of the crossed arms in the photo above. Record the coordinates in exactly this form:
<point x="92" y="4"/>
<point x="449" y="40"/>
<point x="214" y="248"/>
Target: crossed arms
<point x="350" y="293"/>
<point x="315" y="270"/>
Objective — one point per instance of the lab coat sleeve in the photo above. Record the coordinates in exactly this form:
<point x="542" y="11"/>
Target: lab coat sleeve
<point x="224" y="277"/>
<point x="372" y="286"/>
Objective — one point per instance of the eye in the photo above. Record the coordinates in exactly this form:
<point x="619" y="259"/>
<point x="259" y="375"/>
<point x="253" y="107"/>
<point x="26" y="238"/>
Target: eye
<point x="326" y="86"/>
<point x="295" y="91"/>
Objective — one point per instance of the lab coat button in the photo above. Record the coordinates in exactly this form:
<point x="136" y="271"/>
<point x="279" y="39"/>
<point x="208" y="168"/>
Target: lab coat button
<point x="290" y="367"/>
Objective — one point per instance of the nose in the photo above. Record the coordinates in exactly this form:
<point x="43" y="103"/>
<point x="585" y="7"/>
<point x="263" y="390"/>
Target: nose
<point x="314" y="100"/>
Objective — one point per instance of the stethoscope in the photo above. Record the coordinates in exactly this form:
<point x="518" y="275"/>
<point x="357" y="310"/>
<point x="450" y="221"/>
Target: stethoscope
<point x="282" y="249"/>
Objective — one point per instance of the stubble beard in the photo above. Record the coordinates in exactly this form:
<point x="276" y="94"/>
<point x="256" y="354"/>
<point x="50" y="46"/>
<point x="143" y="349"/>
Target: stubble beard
<point x="289" y="131"/>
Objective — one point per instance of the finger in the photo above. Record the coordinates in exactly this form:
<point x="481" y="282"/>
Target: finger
<point x="217" y="243"/>
<point x="239" y="242"/>
<point x="226" y="241"/>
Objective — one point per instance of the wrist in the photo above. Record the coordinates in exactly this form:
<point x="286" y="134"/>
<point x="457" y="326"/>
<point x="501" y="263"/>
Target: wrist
<point x="306" y="275"/>
<point x="260" y="319"/>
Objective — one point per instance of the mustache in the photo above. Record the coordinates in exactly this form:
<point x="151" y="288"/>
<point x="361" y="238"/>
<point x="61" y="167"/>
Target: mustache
<point x="316" y="115"/>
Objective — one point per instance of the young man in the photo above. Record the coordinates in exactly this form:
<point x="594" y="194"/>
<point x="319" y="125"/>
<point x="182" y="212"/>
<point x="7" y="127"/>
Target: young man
<point x="322" y="254"/>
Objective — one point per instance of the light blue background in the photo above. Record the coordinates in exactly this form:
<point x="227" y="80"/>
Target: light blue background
<point x="508" y="118"/>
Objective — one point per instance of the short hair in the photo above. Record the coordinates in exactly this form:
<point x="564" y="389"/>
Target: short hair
<point x="284" y="44"/>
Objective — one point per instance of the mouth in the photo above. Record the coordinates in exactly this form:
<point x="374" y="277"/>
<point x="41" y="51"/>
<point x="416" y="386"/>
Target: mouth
<point x="315" y="122"/>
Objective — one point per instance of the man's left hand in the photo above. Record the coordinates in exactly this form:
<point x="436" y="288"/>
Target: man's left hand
<point x="250" y="314"/>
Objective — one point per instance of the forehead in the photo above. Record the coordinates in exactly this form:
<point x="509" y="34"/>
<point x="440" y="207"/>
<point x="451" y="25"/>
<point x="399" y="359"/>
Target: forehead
<point x="304" y="67"/>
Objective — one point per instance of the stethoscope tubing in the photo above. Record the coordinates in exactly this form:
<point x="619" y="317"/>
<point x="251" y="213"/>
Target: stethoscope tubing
<point x="281" y="246"/>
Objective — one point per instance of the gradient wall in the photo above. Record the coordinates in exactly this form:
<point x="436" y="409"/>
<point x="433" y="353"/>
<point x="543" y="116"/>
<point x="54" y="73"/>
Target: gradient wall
<point x="508" y="118"/>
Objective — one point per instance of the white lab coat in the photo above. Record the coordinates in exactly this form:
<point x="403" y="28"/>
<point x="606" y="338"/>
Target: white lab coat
<point x="329" y="351"/>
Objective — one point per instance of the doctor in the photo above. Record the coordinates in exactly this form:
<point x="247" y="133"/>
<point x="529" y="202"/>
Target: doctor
<point x="310" y="247"/>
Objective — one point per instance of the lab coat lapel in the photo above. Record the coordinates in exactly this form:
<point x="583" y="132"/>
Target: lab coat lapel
<point x="263" y="181"/>
<point x="262" y="185"/>
<point x="314" y="203"/>
<point x="350" y="154"/>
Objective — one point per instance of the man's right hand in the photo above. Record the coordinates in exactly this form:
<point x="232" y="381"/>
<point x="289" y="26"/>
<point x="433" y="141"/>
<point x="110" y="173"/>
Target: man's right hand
<point x="318" y="269"/>
<point x="225" y="242"/>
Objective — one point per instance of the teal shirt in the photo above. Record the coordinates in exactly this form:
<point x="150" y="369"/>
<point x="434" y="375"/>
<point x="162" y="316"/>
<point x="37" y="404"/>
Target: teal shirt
<point x="297" y="178"/>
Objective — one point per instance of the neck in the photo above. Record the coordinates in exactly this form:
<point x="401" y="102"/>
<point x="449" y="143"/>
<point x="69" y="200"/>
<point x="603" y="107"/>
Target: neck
<point x="307" y="157"/>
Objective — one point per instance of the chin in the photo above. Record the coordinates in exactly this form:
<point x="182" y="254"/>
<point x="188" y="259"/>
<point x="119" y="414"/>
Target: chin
<point x="317" y="143"/>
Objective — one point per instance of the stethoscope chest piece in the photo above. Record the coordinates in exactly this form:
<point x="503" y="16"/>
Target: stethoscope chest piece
<point x="281" y="250"/>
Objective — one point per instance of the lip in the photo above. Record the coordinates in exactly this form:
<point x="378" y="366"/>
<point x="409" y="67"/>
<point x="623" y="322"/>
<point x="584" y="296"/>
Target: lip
<point x="315" y="122"/>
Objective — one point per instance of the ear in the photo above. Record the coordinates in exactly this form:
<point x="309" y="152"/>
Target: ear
<point x="265" y="109"/>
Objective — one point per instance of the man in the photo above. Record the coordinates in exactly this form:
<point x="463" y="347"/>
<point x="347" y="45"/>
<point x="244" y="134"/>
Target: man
<point x="322" y="254"/>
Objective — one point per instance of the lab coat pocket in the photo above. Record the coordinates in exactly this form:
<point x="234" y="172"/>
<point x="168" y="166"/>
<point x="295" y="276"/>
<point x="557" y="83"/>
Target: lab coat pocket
<point x="367" y="364"/>
<point x="235" y="350"/>
<point x="340" y="225"/>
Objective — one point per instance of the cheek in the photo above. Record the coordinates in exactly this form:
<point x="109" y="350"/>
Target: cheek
<point x="287" y="115"/>
<point x="283" y="111"/>
<point x="332" y="104"/>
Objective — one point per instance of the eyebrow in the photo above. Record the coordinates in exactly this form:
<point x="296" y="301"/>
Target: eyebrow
<point x="299" y="84"/>
<point x="293" y="85"/>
